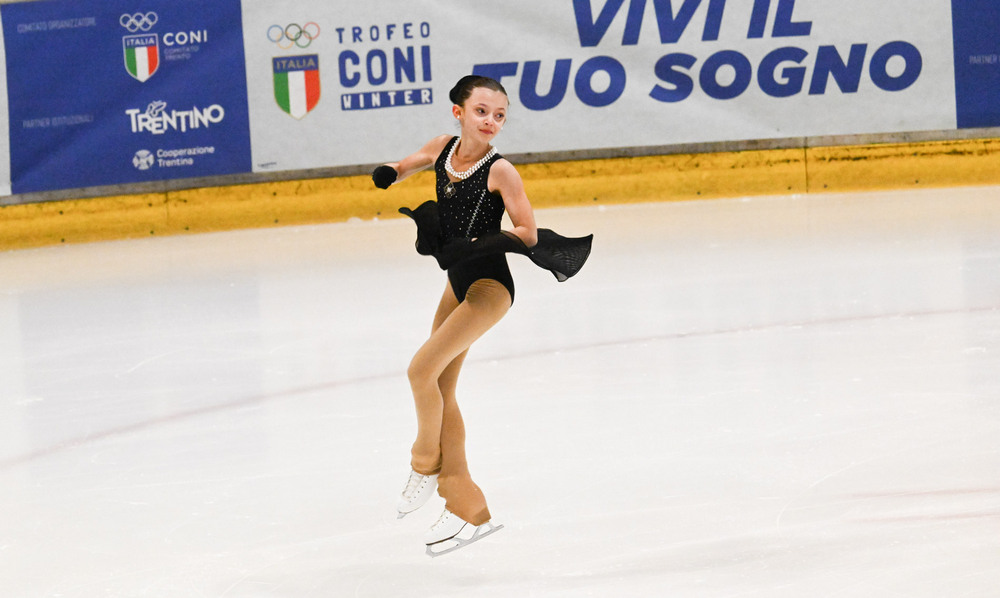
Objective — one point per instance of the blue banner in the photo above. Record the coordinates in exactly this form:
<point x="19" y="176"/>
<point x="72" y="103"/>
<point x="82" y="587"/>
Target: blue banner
<point x="101" y="92"/>
<point x="976" y="26"/>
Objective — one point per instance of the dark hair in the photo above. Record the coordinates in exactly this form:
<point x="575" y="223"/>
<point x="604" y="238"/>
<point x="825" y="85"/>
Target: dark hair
<point x="463" y="89"/>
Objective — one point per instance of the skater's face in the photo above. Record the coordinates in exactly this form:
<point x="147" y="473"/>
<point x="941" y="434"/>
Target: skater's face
<point x="483" y="114"/>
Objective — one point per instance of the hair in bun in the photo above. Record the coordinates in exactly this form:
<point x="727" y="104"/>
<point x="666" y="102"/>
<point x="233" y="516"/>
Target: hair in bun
<point x="463" y="89"/>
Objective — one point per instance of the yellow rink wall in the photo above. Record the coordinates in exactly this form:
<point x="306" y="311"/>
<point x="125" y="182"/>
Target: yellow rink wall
<point x="674" y="177"/>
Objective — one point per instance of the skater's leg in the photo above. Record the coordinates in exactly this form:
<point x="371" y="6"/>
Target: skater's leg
<point x="462" y="496"/>
<point x="426" y="451"/>
<point x="434" y="377"/>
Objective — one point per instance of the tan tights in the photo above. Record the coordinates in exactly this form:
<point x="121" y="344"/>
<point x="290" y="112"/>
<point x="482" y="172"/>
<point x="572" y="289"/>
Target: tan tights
<point x="440" y="445"/>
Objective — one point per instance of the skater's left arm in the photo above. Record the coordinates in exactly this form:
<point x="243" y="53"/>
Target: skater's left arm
<point x="505" y="180"/>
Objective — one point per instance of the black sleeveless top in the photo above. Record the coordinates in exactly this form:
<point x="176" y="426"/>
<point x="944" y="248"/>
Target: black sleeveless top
<point x="467" y="209"/>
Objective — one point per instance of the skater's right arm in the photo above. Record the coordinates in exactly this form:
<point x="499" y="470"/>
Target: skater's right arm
<point x="414" y="163"/>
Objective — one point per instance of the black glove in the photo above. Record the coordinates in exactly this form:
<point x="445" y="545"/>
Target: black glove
<point x="460" y="250"/>
<point x="383" y="176"/>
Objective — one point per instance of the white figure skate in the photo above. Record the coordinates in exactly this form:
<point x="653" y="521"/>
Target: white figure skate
<point x="419" y="489"/>
<point x="451" y="532"/>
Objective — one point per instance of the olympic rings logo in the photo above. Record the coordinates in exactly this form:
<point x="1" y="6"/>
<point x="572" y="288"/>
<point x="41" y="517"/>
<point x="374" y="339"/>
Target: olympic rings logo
<point x="293" y="35"/>
<point x="138" y="21"/>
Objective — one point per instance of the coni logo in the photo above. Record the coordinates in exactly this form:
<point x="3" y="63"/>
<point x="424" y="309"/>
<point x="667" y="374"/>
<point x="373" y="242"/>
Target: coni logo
<point x="142" y="49"/>
<point x="296" y="78"/>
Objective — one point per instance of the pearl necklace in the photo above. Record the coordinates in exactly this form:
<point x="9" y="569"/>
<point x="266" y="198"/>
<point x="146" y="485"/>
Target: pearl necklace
<point x="466" y="174"/>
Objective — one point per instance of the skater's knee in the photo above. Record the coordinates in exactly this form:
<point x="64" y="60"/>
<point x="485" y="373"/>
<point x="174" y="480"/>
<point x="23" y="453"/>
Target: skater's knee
<point x="421" y="372"/>
<point x="415" y="373"/>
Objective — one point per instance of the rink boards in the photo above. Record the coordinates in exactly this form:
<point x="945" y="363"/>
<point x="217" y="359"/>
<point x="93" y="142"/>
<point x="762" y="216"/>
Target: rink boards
<point x="172" y="94"/>
<point x="574" y="183"/>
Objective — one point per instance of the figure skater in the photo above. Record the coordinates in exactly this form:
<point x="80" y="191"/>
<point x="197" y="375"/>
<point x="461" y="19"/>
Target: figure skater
<point x="475" y="185"/>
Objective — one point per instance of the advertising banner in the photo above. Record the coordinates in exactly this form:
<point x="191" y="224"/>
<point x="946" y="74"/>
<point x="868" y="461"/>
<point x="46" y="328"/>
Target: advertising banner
<point x="977" y="62"/>
<point x="103" y="92"/>
<point x="333" y="84"/>
<point x="113" y="91"/>
<point x="370" y="80"/>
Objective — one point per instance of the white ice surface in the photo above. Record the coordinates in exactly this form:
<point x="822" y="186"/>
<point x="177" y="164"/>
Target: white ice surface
<point x="779" y="397"/>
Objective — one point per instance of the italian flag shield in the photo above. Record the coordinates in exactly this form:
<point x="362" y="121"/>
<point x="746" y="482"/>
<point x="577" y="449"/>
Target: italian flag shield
<point x="296" y="84"/>
<point x="142" y="55"/>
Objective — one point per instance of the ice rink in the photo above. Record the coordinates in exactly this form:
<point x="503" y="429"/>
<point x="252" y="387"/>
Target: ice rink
<point x="780" y="397"/>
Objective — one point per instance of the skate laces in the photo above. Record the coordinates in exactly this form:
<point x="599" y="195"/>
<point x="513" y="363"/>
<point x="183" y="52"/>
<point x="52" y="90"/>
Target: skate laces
<point x="445" y="516"/>
<point x="413" y="484"/>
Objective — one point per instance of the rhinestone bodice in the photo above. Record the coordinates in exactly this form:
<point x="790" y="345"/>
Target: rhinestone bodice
<point x="467" y="208"/>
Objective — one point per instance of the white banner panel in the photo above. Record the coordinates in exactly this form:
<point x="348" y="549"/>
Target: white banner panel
<point x="335" y="84"/>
